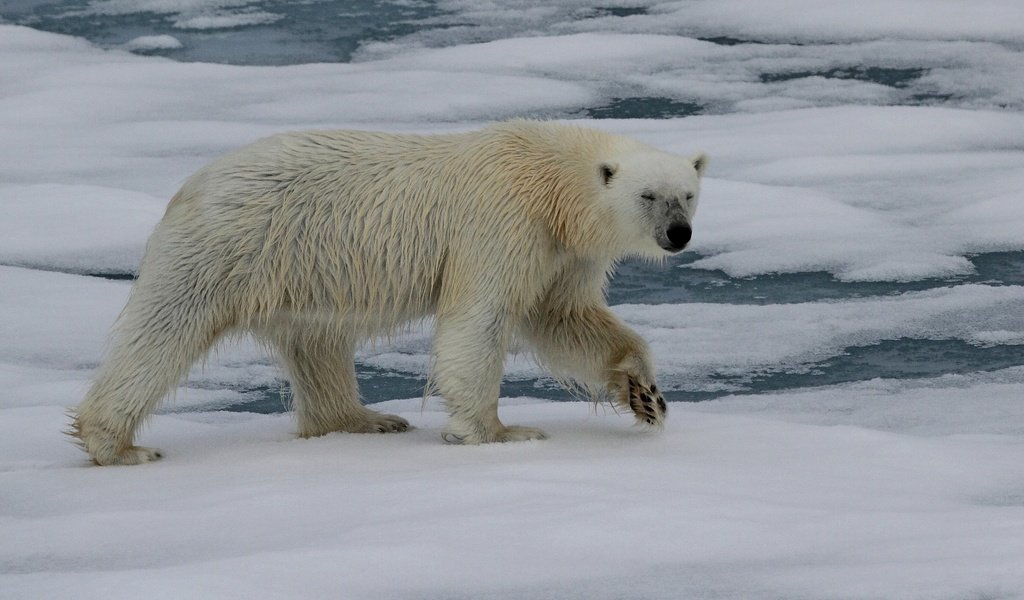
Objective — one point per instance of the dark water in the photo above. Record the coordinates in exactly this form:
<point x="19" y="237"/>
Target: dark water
<point x="645" y="107"/>
<point x="377" y="385"/>
<point x="312" y="31"/>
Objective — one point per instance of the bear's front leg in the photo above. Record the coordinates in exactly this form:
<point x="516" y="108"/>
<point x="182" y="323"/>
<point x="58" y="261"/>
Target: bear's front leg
<point x="469" y="355"/>
<point x="589" y="343"/>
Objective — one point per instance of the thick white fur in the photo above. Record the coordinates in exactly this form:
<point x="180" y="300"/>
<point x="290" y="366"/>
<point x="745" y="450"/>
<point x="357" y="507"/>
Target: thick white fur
<point x="316" y="241"/>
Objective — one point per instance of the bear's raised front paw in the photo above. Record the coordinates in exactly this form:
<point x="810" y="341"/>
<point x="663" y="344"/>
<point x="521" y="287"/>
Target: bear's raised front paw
<point x="647" y="403"/>
<point x="133" y="455"/>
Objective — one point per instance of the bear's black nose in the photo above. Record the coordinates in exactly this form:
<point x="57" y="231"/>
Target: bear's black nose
<point x="679" y="235"/>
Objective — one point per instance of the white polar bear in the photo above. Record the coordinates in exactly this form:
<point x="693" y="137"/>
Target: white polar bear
<point x="316" y="241"/>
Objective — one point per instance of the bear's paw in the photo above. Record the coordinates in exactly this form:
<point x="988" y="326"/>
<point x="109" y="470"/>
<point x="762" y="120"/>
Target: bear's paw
<point x="133" y="455"/>
<point x="383" y="423"/>
<point x="647" y="403"/>
<point x="510" y="433"/>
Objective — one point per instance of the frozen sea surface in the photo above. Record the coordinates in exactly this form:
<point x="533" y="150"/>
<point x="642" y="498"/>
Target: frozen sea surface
<point x="850" y="317"/>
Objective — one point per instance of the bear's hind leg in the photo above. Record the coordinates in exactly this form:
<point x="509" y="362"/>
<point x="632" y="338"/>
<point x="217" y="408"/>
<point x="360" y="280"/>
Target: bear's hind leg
<point x="325" y="393"/>
<point x="156" y="340"/>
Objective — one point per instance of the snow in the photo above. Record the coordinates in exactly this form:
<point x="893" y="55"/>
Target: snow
<point x="719" y="504"/>
<point x="732" y="78"/>
<point x="76" y="228"/>
<point x="222" y="21"/>
<point x="876" y="489"/>
<point x="774" y="20"/>
<point x="979" y="404"/>
<point x="187" y="14"/>
<point x="989" y="20"/>
<point x="145" y="43"/>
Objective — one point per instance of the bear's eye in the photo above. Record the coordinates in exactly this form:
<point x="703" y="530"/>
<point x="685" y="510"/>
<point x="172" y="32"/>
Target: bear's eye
<point x="607" y="172"/>
<point x="648" y="196"/>
<point x="689" y="196"/>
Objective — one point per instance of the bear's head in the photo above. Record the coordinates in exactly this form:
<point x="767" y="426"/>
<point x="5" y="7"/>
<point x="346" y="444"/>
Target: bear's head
<point x="653" y="197"/>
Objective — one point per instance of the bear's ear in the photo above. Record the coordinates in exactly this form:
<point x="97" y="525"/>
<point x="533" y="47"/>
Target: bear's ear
<point x="607" y="172"/>
<point x="700" y="163"/>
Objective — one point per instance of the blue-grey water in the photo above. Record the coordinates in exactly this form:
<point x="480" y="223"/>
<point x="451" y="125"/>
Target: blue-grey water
<point x="304" y="32"/>
<point x="322" y="31"/>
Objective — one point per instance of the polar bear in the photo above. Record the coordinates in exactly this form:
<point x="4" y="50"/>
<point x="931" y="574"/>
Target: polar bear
<point x="315" y="241"/>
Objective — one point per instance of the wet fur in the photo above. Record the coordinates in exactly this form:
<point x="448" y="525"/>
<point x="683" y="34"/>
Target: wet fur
<point x="317" y="241"/>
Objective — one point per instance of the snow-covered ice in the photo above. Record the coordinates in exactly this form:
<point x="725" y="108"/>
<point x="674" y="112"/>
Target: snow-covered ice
<point x="881" y="488"/>
<point x="722" y="505"/>
<point x="145" y="43"/>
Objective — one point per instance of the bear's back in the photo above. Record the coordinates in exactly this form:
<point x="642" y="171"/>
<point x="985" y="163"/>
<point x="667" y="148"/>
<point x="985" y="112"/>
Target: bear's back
<point x="379" y="224"/>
